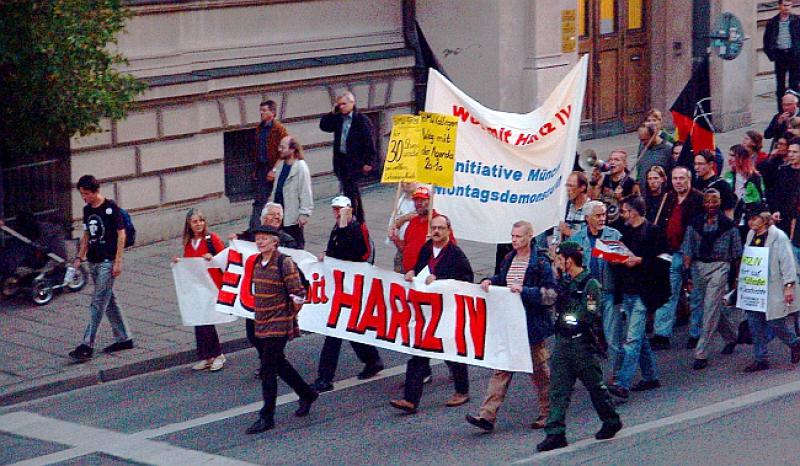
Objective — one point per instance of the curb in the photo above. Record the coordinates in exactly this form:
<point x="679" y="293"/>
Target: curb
<point x="57" y="386"/>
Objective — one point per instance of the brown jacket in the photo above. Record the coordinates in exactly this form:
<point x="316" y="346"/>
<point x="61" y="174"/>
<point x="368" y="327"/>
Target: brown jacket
<point x="274" y="312"/>
<point x="277" y="133"/>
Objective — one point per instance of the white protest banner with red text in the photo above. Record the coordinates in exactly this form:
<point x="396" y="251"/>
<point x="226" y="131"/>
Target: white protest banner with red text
<point x="196" y="293"/>
<point x="508" y="166"/>
<point x="448" y="319"/>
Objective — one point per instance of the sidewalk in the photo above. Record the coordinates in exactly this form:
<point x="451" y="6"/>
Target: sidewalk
<point x="34" y="341"/>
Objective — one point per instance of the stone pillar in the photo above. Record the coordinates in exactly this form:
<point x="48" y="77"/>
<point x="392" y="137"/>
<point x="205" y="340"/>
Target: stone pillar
<point x="732" y="80"/>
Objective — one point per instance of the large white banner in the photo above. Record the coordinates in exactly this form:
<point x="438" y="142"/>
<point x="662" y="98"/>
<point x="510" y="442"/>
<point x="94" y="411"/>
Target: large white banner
<point x="508" y="166"/>
<point x="447" y="319"/>
<point x="197" y="293"/>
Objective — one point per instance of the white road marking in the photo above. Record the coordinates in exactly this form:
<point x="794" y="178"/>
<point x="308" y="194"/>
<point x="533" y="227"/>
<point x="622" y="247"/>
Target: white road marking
<point x="138" y="446"/>
<point x="252" y="407"/>
<point x="711" y="412"/>
<point x="92" y="439"/>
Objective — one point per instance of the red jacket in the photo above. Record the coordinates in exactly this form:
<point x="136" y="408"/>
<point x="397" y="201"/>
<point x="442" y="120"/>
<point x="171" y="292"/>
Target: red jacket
<point x="202" y="249"/>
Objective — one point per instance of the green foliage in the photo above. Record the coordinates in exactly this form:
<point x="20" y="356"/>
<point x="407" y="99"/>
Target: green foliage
<point x="57" y="60"/>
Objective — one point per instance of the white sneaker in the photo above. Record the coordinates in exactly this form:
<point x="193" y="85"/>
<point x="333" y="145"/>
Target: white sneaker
<point x="217" y="364"/>
<point x="202" y="365"/>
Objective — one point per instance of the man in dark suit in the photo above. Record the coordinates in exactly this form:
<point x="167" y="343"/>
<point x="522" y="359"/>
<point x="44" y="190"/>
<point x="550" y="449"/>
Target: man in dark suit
<point x="269" y="133"/>
<point x="354" y="152"/>
<point x="782" y="46"/>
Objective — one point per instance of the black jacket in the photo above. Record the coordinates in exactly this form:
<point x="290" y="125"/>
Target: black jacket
<point x="453" y="263"/>
<point x="771" y="36"/>
<point x="360" y="144"/>
<point x="284" y="239"/>
<point x="650" y="279"/>
<point x="692" y="207"/>
<point x="348" y="243"/>
<point x="538" y="275"/>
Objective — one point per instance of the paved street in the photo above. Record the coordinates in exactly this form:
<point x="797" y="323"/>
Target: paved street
<point x="177" y="416"/>
<point x="170" y="415"/>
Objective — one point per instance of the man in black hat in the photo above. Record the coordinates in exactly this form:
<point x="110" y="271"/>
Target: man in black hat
<point x="278" y="293"/>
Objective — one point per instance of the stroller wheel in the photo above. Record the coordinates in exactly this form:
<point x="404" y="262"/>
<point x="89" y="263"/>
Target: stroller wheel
<point x="10" y="286"/>
<point x="42" y="292"/>
<point x="78" y="280"/>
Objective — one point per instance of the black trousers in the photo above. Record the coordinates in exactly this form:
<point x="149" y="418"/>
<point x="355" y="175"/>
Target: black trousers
<point x="207" y="342"/>
<point x="349" y="185"/>
<point x="262" y="189"/>
<point x="250" y="329"/>
<point x="329" y="357"/>
<point x="785" y="64"/>
<point x="274" y="365"/>
<point x="418" y="368"/>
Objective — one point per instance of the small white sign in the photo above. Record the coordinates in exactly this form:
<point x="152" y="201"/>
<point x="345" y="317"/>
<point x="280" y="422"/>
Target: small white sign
<point x="753" y="286"/>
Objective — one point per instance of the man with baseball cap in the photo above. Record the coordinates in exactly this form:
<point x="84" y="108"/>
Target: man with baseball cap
<point x="349" y="240"/>
<point x="417" y="230"/>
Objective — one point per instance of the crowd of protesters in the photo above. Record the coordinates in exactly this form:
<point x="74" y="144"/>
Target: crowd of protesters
<point x="683" y="218"/>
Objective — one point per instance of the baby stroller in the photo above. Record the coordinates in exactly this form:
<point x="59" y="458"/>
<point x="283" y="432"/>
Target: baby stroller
<point x="36" y="263"/>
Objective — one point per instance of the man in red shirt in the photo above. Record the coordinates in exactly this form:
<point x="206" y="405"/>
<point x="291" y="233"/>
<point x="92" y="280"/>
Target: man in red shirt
<point x="681" y="206"/>
<point x="417" y="231"/>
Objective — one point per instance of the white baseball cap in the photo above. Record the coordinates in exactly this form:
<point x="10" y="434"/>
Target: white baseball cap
<point x="340" y="201"/>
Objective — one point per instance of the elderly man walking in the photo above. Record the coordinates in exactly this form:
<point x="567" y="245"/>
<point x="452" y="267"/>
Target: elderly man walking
<point x="444" y="260"/>
<point x="603" y="272"/>
<point x="354" y="151"/>
<point x="528" y="274"/>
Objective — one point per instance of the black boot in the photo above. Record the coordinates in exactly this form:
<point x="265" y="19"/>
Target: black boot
<point x="608" y="431"/>
<point x="551" y="442"/>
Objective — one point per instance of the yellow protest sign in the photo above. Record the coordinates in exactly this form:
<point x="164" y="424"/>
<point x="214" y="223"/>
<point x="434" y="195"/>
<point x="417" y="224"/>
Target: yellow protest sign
<point x="401" y="159"/>
<point x="437" y="151"/>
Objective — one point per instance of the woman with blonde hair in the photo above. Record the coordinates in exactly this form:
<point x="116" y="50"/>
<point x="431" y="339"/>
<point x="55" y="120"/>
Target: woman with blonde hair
<point x="199" y="242"/>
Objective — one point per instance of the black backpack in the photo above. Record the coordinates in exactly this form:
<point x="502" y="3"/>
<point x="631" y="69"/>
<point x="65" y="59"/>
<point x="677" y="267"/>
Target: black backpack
<point x="130" y="230"/>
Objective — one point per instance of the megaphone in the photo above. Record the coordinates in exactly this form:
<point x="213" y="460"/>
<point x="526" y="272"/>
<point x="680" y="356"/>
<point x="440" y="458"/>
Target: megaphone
<point x="588" y="161"/>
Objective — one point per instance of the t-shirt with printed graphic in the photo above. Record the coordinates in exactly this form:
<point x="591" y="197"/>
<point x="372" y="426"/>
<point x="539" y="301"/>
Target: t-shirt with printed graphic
<point x="102" y="224"/>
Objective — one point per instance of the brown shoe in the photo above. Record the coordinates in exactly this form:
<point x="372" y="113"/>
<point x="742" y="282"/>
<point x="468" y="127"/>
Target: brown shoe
<point x="457" y="399"/>
<point x="404" y="405"/>
<point x="539" y="423"/>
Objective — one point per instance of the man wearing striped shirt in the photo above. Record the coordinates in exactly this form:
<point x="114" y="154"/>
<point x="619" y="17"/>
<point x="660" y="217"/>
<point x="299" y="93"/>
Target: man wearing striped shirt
<point x="529" y="274"/>
<point x="277" y="291"/>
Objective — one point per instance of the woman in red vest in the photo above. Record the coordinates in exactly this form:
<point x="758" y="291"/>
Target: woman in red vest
<point x="199" y="242"/>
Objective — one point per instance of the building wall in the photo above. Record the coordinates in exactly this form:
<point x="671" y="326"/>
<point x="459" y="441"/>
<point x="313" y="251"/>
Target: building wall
<point x="507" y="55"/>
<point x="670" y="52"/>
<point x="168" y="154"/>
<point x="732" y="80"/>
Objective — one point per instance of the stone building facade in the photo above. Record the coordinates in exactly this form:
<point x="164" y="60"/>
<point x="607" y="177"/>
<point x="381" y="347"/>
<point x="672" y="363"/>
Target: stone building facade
<point x="210" y="62"/>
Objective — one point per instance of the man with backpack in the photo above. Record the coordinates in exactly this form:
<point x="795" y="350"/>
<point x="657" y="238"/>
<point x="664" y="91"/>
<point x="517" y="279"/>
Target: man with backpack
<point x="349" y="240"/>
<point x="278" y="295"/>
<point x="105" y="231"/>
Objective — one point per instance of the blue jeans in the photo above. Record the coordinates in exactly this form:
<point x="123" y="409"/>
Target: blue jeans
<point x="613" y="330"/>
<point x="664" y="318"/>
<point x="764" y="330"/>
<point x="636" y="349"/>
<point x="103" y="301"/>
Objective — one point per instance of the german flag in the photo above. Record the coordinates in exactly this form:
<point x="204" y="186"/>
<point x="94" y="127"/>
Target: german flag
<point x="691" y="111"/>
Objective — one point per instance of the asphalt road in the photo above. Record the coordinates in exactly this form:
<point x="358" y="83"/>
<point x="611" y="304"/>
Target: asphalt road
<point x="176" y="416"/>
